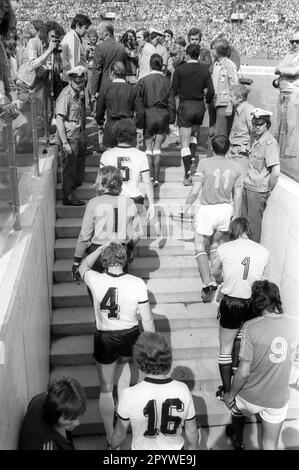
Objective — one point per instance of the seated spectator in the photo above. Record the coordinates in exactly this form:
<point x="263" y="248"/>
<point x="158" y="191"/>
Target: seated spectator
<point x="51" y="416"/>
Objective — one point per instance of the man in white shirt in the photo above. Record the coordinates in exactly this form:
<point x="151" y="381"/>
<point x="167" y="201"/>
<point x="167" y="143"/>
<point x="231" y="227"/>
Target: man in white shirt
<point x="145" y="51"/>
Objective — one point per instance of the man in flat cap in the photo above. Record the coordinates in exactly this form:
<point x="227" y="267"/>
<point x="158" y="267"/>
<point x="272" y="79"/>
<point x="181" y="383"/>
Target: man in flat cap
<point x="69" y="119"/>
<point x="263" y="173"/>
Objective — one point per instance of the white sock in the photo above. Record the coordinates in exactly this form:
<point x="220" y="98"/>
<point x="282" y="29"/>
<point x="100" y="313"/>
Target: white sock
<point x="106" y="405"/>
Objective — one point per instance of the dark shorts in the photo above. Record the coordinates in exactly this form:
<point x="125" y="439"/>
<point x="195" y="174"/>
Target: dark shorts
<point x="110" y="345"/>
<point x="156" y="121"/>
<point x="234" y="312"/>
<point x="190" y="113"/>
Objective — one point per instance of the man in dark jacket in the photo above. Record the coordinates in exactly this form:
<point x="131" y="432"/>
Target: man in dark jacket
<point x="105" y="53"/>
<point x="51" y="416"/>
<point x="159" y="111"/>
<point x="119" y="100"/>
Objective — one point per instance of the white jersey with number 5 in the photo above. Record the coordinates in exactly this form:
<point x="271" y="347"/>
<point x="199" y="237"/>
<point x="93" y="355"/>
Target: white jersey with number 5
<point x="132" y="163"/>
<point x="116" y="299"/>
<point x="243" y="262"/>
<point x="157" y="410"/>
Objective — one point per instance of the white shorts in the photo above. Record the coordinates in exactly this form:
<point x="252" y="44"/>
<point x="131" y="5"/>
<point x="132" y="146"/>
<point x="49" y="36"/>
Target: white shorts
<point x="271" y="415"/>
<point x="213" y="217"/>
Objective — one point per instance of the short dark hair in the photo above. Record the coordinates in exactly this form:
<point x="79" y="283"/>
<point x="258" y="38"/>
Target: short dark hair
<point x="181" y="41"/>
<point x="124" y="38"/>
<point x="222" y="47"/>
<point x="193" y="51"/>
<point x="239" y="226"/>
<point x="220" y="144"/>
<point x="111" y="179"/>
<point x="109" y="28"/>
<point x="38" y="24"/>
<point x="152" y="353"/>
<point x="168" y="31"/>
<point x="125" y="131"/>
<point x="156" y="62"/>
<point x="265" y="296"/>
<point x="113" y="255"/>
<point x="65" y="398"/>
<point x="118" y="69"/>
<point x="80" y="20"/>
<point x="194" y="32"/>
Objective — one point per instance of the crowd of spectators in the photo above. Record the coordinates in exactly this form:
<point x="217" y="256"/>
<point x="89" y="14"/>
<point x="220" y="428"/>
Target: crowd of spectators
<point x="264" y="30"/>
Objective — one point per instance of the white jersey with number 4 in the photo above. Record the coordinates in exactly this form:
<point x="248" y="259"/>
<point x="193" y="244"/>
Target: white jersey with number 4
<point x="116" y="299"/>
<point x="132" y="163"/>
<point x="157" y="410"/>
<point x="243" y="262"/>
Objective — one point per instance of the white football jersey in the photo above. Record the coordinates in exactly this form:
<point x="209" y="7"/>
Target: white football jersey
<point x="243" y="262"/>
<point x="132" y="163"/>
<point x="157" y="410"/>
<point x="116" y="299"/>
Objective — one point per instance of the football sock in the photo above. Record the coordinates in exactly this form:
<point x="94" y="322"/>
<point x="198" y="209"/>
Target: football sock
<point x="185" y="153"/>
<point x="157" y="163"/>
<point x="225" y="369"/>
<point x="236" y="350"/>
<point x="106" y="405"/>
<point x="203" y="267"/>
<point x="238" y="422"/>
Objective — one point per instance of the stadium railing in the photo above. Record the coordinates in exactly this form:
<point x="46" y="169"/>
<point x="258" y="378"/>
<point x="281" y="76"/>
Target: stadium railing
<point x="23" y="141"/>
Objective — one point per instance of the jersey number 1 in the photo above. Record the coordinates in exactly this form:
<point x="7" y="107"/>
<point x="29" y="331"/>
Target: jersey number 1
<point x="169" y="423"/>
<point x="246" y="264"/>
<point x="109" y="303"/>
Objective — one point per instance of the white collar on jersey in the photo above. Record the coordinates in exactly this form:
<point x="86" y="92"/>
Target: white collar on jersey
<point x="157" y="71"/>
<point x="119" y="80"/>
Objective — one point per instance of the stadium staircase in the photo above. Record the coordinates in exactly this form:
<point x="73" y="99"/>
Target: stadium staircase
<point x="167" y="265"/>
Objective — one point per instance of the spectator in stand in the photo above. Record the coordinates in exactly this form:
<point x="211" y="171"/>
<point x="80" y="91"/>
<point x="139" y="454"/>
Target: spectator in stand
<point x="159" y="111"/>
<point x="129" y="42"/>
<point x="52" y="416"/>
<point x="118" y="100"/>
<point x="145" y="50"/>
<point x="224" y="76"/>
<point x="194" y="37"/>
<point x="73" y="50"/>
<point x="106" y="53"/>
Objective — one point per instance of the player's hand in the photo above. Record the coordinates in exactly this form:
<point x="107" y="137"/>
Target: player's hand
<point x="229" y="399"/>
<point x="67" y="148"/>
<point x="75" y="272"/>
<point x="11" y="109"/>
<point x="150" y="212"/>
<point x="52" y="45"/>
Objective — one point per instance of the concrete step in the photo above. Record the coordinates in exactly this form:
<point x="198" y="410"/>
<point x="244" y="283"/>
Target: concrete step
<point x="81" y="320"/>
<point x="70" y="228"/>
<point x="170" y="157"/>
<point x="65" y="248"/>
<point x="212" y="438"/>
<point x="176" y="290"/>
<point x="192" y="343"/>
<point x="166" y="190"/>
<point x="147" y="268"/>
<point x="166" y="174"/>
<point x="199" y="375"/>
<point x="210" y="412"/>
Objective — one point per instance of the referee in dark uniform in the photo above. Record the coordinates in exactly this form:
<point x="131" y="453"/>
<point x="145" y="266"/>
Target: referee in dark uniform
<point x="119" y="100"/>
<point x="158" y="104"/>
<point x="189" y="82"/>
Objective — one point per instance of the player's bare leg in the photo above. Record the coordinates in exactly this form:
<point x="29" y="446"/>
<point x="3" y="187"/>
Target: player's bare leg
<point x="106" y="402"/>
<point x="193" y="148"/>
<point x="159" y="139"/>
<point x="202" y="246"/>
<point x="270" y="435"/>
<point x="122" y="376"/>
<point x="185" y="134"/>
<point x="149" y="154"/>
<point x="214" y="243"/>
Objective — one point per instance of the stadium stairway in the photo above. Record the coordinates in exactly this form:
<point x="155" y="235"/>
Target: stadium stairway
<point x="165" y="260"/>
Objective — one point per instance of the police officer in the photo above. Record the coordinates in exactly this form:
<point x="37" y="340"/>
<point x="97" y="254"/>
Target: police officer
<point x="263" y="173"/>
<point x="69" y="119"/>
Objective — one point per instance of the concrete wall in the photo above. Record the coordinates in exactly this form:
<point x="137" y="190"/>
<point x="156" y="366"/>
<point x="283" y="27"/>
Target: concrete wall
<point x="281" y="237"/>
<point x="25" y="301"/>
